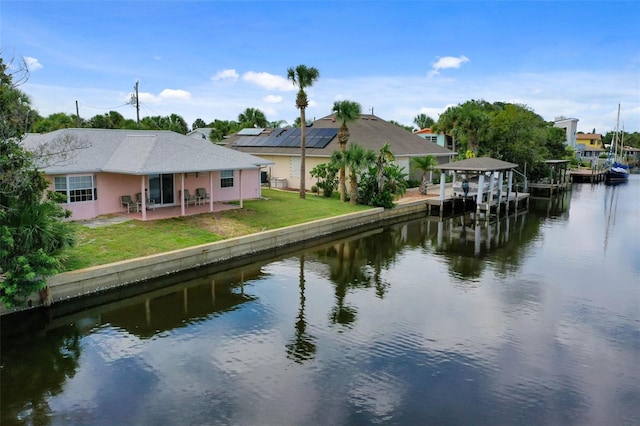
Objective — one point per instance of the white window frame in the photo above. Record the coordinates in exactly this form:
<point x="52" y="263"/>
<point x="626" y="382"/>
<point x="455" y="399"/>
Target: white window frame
<point x="77" y="188"/>
<point x="227" y="178"/>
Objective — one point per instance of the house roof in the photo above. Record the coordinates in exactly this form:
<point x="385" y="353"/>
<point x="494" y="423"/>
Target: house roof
<point x="478" y="164"/>
<point x="368" y="131"/>
<point x="201" y="132"/>
<point x="136" y="152"/>
<point x="588" y="136"/>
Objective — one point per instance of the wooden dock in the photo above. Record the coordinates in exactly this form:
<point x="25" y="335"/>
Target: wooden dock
<point x="588" y="175"/>
<point x="450" y="205"/>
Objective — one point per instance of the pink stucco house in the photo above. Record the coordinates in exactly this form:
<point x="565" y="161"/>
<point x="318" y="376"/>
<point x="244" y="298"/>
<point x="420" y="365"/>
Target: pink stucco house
<point x="97" y="168"/>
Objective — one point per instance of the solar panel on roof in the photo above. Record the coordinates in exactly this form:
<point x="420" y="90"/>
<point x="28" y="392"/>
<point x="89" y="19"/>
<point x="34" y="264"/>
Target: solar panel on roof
<point x="250" y="131"/>
<point x="316" y="138"/>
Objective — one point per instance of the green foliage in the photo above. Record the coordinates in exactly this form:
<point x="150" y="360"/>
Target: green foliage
<point x="32" y="233"/>
<point x="382" y="181"/>
<point x="423" y="121"/>
<point x="253" y="117"/>
<point x="425" y="165"/>
<point x="326" y="175"/>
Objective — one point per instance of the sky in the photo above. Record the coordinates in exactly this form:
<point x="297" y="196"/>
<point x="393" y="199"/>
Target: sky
<point x="213" y="59"/>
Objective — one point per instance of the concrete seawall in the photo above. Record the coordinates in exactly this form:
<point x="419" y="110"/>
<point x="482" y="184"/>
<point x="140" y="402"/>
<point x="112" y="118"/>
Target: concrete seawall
<point x="84" y="283"/>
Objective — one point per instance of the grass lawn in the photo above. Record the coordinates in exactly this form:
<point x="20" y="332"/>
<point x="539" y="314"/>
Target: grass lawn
<point x="98" y="246"/>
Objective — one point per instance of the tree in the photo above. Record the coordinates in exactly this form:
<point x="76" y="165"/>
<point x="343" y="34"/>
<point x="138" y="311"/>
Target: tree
<point x="384" y="159"/>
<point x="303" y="77"/>
<point x="423" y="121"/>
<point x="198" y="124"/>
<point x="253" y="117"/>
<point x="466" y="122"/>
<point x="346" y="111"/>
<point x="277" y="124"/>
<point x="325" y="174"/>
<point x="357" y="159"/>
<point x="407" y="128"/>
<point x="32" y="234"/>
<point x="425" y="164"/>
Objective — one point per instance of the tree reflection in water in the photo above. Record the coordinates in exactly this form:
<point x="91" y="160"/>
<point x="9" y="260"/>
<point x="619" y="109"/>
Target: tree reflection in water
<point x="36" y="374"/>
<point x="303" y="347"/>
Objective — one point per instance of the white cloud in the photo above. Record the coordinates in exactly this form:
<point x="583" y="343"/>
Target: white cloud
<point x="32" y="63"/>
<point x="175" y="94"/>
<point x="272" y="99"/>
<point x="229" y="74"/>
<point x="165" y="95"/>
<point x="448" y="62"/>
<point x="268" y="81"/>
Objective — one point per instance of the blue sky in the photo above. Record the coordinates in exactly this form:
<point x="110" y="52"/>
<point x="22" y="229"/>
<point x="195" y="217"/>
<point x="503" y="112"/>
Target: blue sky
<point x="213" y="59"/>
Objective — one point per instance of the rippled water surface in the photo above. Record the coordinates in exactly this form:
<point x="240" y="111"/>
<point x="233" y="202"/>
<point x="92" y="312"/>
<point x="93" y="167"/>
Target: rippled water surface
<point x="533" y="319"/>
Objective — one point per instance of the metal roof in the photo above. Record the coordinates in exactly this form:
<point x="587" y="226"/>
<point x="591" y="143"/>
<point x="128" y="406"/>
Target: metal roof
<point x="479" y="164"/>
<point x="136" y="152"/>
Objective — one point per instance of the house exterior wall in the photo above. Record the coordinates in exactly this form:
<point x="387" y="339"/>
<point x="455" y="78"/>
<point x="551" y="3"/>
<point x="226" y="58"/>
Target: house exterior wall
<point x="570" y="125"/>
<point x="285" y="167"/>
<point x="110" y="186"/>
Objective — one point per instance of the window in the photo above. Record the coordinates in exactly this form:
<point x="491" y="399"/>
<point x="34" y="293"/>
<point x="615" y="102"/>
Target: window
<point x="76" y="188"/>
<point x="226" y="178"/>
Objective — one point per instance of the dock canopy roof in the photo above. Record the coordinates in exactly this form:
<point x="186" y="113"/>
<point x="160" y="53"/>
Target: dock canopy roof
<point x="480" y="164"/>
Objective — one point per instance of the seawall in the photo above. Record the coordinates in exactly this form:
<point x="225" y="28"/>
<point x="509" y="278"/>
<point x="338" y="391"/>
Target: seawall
<point x="97" y="280"/>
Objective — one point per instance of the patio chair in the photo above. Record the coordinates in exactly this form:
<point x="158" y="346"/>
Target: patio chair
<point x="150" y="204"/>
<point x="126" y="201"/>
<point x="202" y="195"/>
<point x="188" y="198"/>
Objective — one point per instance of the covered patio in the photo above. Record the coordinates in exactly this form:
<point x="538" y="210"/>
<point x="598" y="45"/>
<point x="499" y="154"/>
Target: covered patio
<point x="168" y="212"/>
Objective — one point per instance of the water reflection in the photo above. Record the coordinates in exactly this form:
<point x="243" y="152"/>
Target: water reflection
<point x="514" y="321"/>
<point x="303" y="346"/>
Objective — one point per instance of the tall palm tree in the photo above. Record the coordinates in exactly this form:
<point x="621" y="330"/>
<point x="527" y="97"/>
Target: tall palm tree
<point x="357" y="159"/>
<point x="425" y="164"/>
<point x="302" y="76"/>
<point x="385" y="157"/>
<point x="346" y="111"/>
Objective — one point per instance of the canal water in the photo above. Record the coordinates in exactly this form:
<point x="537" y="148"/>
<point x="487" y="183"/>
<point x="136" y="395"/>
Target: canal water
<point x="531" y="319"/>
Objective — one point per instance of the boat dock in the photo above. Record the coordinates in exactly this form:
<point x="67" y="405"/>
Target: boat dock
<point x="588" y="175"/>
<point x="452" y="205"/>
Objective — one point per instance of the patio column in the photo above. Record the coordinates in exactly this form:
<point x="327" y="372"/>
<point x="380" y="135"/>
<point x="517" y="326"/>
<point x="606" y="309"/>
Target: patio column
<point x="210" y="191"/>
<point x="182" y="210"/>
<point x="144" y="198"/>
<point x="509" y="184"/>
<point x="443" y="181"/>
<point x="500" y="179"/>
<point x="240" y="187"/>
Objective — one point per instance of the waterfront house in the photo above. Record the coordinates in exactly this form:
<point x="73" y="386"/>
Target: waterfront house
<point x="282" y="146"/>
<point x="100" y="171"/>
<point x="589" y="146"/>
<point x="438" y="138"/>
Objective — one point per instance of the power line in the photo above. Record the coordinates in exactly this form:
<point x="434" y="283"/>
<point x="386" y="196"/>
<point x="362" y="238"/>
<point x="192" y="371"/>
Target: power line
<point x="113" y="107"/>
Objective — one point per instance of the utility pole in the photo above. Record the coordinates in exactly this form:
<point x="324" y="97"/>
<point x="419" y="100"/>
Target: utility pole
<point x="137" y="105"/>
<point x="77" y="116"/>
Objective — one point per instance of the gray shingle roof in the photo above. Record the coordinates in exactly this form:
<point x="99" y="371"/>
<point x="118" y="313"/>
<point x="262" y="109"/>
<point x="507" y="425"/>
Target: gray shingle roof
<point x="368" y="131"/>
<point x="139" y="152"/>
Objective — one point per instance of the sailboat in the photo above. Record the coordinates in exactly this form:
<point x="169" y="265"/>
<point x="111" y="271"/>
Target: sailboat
<point x="616" y="172"/>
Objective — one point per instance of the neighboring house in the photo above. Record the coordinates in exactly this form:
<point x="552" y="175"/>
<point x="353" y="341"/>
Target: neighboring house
<point x="202" y="133"/>
<point x="282" y="146"/>
<point x="570" y="126"/>
<point x="102" y="165"/>
<point x="438" y="138"/>
<point x="589" y="145"/>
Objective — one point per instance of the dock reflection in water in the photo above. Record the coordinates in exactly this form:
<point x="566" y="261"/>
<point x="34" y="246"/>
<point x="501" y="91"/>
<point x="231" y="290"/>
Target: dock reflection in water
<point x="512" y="321"/>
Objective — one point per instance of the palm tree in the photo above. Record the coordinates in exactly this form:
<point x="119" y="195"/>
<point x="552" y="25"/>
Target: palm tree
<point x="357" y="159"/>
<point x="423" y="121"/>
<point x="346" y="111"/>
<point x="253" y="117"/>
<point x="385" y="157"/>
<point x="425" y="164"/>
<point x="302" y="76"/>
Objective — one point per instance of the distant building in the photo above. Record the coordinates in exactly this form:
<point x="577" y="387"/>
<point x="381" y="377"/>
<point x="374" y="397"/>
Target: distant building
<point x="589" y="145"/>
<point x="437" y="138"/>
<point x="570" y="126"/>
